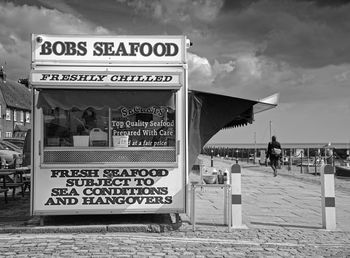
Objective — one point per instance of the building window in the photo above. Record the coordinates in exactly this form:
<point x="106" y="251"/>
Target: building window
<point x="14" y="115"/>
<point x="27" y="117"/>
<point x="8" y="114"/>
<point x="8" y="134"/>
<point x="21" y="116"/>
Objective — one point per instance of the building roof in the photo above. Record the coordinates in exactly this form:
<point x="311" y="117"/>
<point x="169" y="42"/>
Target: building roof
<point x="16" y="95"/>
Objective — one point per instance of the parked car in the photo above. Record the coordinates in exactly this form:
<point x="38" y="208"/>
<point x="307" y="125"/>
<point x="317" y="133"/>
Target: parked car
<point x="19" y="142"/>
<point x="11" y="146"/>
<point x="8" y="153"/>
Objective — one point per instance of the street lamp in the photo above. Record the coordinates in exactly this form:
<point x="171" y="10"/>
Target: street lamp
<point x="211" y="157"/>
<point x="236" y="156"/>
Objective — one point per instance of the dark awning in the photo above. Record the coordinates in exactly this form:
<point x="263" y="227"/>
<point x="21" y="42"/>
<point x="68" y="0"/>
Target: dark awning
<point x="211" y="110"/>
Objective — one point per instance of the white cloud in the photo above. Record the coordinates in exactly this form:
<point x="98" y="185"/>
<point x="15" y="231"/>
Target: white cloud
<point x="249" y="67"/>
<point x="18" y="22"/>
<point x="202" y="73"/>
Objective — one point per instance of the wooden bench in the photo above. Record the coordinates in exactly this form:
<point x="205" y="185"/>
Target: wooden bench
<point x="9" y="182"/>
<point x="26" y="181"/>
<point x="13" y="186"/>
<point x="2" y="190"/>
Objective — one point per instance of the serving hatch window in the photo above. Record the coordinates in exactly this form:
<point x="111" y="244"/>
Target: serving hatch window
<point x="108" y="118"/>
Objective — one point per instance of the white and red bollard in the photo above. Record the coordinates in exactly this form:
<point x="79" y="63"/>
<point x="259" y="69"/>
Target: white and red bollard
<point x="328" y="198"/>
<point x="236" y="197"/>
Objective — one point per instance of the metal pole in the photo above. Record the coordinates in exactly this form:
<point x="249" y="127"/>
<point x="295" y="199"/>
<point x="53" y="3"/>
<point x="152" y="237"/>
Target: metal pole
<point x="301" y="162"/>
<point x="211" y="157"/>
<point x="254" y="147"/>
<point x="308" y="155"/>
<point x="193" y="209"/>
<point x="316" y="157"/>
<point x="229" y="210"/>
<point x="225" y="206"/>
<point x="290" y="160"/>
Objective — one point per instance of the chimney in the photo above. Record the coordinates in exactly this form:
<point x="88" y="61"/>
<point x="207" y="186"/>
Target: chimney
<point x="2" y="74"/>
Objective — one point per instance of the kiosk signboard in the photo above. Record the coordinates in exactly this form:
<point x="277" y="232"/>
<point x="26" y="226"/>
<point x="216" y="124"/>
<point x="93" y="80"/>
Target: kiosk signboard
<point x="109" y="132"/>
<point x="52" y="49"/>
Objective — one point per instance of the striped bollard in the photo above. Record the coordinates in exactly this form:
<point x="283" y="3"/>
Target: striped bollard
<point x="236" y="197"/>
<point x="328" y="198"/>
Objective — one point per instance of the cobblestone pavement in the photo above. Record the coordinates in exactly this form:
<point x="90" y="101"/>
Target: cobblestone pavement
<point x="206" y="242"/>
<point x="282" y="217"/>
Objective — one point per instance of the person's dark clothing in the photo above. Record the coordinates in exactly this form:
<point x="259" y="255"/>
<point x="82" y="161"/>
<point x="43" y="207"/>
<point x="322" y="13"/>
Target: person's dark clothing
<point x="89" y="117"/>
<point x="274" y="159"/>
<point x="272" y="145"/>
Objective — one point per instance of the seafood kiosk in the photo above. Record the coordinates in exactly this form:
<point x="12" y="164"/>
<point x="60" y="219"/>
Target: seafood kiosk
<point x="109" y="124"/>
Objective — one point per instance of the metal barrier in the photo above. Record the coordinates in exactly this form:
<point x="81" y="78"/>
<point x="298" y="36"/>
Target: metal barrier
<point x="227" y="193"/>
<point x="232" y="198"/>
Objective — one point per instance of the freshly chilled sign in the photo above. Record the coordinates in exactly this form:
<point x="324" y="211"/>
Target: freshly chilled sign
<point x="103" y="78"/>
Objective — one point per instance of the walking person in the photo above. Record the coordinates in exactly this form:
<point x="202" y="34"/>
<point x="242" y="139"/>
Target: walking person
<point x="274" y="154"/>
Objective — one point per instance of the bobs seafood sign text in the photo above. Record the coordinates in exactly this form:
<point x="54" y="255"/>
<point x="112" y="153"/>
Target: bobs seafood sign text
<point x="161" y="49"/>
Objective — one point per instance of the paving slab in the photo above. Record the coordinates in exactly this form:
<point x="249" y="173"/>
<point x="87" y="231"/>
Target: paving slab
<point x="289" y="201"/>
<point x="292" y="199"/>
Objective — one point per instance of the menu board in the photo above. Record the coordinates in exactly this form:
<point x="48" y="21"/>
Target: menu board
<point x="151" y="126"/>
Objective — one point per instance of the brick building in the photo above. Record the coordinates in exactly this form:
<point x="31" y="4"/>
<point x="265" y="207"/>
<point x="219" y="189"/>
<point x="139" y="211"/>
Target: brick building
<point x="15" y="108"/>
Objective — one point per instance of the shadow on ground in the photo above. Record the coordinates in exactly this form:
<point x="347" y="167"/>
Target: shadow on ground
<point x="16" y="214"/>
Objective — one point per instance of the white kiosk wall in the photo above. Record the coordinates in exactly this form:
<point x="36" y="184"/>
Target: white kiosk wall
<point x="109" y="132"/>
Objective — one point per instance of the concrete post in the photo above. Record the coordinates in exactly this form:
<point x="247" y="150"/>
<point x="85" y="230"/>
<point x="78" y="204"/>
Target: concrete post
<point x="236" y="197"/>
<point x="328" y="198"/>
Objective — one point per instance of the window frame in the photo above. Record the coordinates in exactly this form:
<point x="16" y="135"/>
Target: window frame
<point x="27" y="114"/>
<point x="86" y="150"/>
<point x="8" y="114"/>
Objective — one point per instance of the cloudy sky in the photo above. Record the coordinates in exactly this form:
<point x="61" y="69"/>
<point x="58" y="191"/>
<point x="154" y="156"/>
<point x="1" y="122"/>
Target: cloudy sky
<point x="250" y="48"/>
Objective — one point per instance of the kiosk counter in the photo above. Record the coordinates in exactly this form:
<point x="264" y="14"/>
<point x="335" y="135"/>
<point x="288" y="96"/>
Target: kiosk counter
<point x="109" y="124"/>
